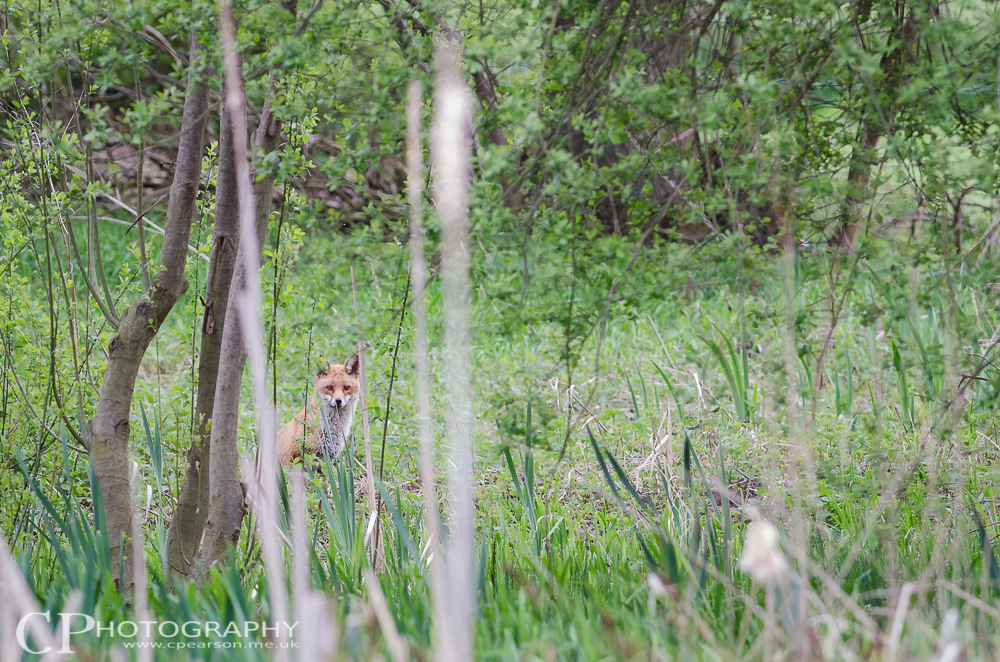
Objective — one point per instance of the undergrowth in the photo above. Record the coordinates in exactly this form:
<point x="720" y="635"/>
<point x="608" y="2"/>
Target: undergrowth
<point x="621" y="535"/>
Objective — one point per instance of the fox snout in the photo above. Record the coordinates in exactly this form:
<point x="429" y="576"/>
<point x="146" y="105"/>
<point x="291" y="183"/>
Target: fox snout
<point x="337" y="400"/>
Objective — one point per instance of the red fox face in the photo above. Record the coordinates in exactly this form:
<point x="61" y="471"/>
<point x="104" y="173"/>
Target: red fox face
<point x="338" y="385"/>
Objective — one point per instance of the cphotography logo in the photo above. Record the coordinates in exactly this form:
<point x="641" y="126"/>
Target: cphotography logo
<point x="73" y="623"/>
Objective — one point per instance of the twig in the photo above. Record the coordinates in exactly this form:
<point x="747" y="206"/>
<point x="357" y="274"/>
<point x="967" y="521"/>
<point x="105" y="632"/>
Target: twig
<point x="392" y="376"/>
<point x="31" y="407"/>
<point x="143" y="262"/>
<point x="362" y="397"/>
<point x="388" y="397"/>
<point x="305" y="20"/>
<point x="108" y="314"/>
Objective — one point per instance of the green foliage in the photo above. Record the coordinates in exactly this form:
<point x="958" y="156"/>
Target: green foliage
<point x="641" y="172"/>
<point x="737" y="375"/>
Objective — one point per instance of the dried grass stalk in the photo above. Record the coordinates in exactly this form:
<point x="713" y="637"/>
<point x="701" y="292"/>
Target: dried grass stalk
<point x="418" y="278"/>
<point x="398" y="649"/>
<point x="249" y="312"/>
<point x="18" y="600"/>
<point x="450" y="158"/>
<point x="317" y="628"/>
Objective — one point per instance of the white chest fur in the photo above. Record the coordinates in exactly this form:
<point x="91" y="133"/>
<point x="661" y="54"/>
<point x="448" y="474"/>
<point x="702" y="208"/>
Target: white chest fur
<point x="335" y="428"/>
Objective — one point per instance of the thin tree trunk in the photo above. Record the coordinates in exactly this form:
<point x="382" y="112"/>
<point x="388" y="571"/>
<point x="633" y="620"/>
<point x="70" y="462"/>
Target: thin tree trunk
<point x="189" y="519"/>
<point x="486" y="93"/>
<point x="904" y="36"/>
<point x="226" y="500"/>
<point x="858" y="177"/>
<point x="108" y="430"/>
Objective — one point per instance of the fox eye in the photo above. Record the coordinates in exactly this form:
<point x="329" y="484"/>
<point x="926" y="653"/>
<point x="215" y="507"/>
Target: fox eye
<point x="329" y="388"/>
<point x="346" y="389"/>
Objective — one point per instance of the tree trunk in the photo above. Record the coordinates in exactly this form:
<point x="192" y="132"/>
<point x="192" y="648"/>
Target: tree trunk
<point x="226" y="500"/>
<point x="189" y="518"/>
<point x="902" y="39"/>
<point x="486" y="93"/>
<point x="108" y="430"/>
<point x="857" y="187"/>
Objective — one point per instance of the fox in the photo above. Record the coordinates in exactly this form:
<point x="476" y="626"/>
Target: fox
<point x="338" y="387"/>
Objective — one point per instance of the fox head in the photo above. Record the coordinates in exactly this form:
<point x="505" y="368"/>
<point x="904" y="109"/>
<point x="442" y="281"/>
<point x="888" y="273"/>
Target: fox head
<point x="338" y="385"/>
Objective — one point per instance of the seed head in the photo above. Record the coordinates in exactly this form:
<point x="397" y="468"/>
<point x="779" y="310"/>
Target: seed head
<point x="762" y="558"/>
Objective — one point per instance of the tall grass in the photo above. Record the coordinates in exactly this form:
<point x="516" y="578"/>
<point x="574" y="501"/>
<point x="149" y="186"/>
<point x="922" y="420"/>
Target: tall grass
<point x="618" y="568"/>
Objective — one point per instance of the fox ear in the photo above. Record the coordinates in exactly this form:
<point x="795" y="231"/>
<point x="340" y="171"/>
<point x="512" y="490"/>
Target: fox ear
<point x="323" y="372"/>
<point x="352" y="365"/>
